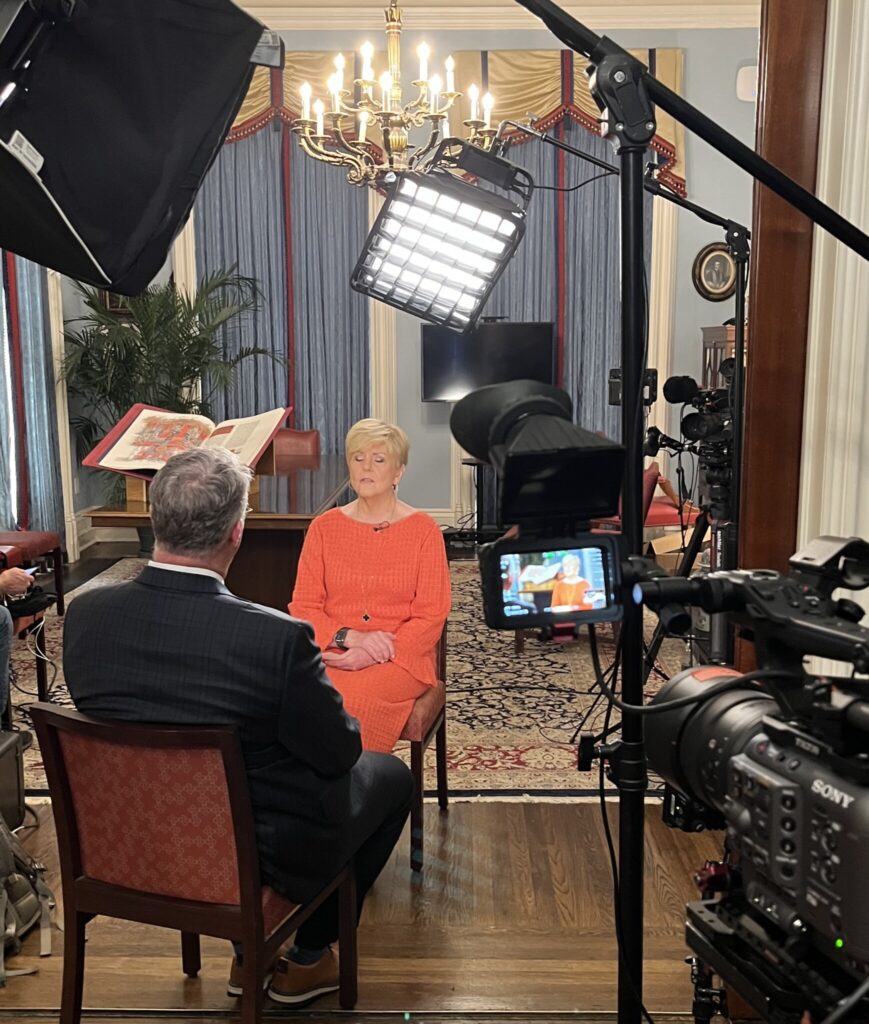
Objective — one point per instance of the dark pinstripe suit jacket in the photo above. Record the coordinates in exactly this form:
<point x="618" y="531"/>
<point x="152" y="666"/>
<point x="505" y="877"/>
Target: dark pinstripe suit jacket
<point x="180" y="648"/>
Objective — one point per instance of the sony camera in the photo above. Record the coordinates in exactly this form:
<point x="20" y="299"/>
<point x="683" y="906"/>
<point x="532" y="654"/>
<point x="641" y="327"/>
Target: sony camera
<point x="553" y="479"/>
<point x="707" y="432"/>
<point x="781" y="762"/>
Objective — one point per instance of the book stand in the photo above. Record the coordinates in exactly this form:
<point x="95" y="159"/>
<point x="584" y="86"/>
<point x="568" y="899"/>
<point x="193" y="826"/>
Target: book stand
<point x="137" y="487"/>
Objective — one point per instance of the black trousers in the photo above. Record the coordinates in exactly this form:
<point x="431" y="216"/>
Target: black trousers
<point x="380" y="797"/>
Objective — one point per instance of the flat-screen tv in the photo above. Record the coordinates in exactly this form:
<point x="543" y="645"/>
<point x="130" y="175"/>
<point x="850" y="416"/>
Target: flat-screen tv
<point x="454" y="364"/>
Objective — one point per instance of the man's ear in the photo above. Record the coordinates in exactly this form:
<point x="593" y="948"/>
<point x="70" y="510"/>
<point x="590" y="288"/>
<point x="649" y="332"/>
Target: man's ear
<point x="235" y="534"/>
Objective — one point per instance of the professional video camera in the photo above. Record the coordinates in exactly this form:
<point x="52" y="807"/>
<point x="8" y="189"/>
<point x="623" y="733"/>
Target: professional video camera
<point x="553" y="479"/>
<point x="708" y="433"/>
<point x="785" y="768"/>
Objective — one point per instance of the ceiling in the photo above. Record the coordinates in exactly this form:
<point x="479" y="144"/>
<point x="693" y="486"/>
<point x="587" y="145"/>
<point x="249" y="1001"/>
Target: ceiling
<point x="505" y="14"/>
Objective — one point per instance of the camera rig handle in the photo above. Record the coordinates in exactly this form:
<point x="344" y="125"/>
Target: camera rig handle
<point x="831" y="562"/>
<point x="790" y="616"/>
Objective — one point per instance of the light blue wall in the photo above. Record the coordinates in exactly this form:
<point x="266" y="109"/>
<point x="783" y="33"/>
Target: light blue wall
<point x="712" y="59"/>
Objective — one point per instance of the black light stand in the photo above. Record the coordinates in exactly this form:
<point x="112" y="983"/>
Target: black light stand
<point x="623" y="88"/>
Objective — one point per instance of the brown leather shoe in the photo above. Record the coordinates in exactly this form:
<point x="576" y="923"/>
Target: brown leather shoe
<point x="297" y="984"/>
<point x="234" y="986"/>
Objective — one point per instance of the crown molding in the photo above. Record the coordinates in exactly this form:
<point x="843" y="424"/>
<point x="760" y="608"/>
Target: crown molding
<point x="324" y="17"/>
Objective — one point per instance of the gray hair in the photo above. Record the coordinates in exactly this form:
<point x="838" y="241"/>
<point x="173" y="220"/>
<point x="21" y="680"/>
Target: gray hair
<point x="197" y="498"/>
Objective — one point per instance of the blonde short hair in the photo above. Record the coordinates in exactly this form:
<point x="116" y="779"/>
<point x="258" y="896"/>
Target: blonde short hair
<point x="365" y="433"/>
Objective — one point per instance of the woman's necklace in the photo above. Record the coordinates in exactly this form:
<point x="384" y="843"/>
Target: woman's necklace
<point x="382" y="525"/>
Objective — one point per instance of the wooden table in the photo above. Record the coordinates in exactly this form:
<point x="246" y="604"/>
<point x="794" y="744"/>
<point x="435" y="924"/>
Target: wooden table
<point x="264" y="570"/>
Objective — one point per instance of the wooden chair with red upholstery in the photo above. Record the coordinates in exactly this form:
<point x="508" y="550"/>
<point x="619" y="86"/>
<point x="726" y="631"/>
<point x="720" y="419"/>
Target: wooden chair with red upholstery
<point x="23" y="547"/>
<point x="154" y="824"/>
<point x="427" y="722"/>
<point x="294" y="449"/>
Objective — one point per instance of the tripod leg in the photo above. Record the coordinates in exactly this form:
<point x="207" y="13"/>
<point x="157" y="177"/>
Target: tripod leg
<point x="686" y="564"/>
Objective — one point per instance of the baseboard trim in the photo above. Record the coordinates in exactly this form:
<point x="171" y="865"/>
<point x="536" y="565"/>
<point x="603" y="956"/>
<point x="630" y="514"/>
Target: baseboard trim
<point x="442" y="516"/>
<point x="88" y="534"/>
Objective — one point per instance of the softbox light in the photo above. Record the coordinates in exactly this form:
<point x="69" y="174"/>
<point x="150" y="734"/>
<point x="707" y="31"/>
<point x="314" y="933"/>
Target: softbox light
<point x="440" y="243"/>
<point x="109" y="121"/>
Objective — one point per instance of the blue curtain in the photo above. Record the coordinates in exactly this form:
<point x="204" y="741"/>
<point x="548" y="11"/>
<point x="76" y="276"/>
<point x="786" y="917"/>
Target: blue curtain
<point x="329" y="228"/>
<point x="592" y="342"/>
<point x="527" y="288"/>
<point x="44" y="491"/>
<point x="239" y="221"/>
<point x="592" y="274"/>
<point x="40" y="407"/>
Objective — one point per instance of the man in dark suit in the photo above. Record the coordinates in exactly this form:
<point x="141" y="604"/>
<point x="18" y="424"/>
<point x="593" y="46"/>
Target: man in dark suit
<point x="174" y="645"/>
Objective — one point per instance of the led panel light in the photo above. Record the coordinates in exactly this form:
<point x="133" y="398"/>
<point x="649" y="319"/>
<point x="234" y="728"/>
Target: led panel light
<point x="448" y="241"/>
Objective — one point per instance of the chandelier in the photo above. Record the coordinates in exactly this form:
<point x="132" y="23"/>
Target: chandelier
<point x="367" y="129"/>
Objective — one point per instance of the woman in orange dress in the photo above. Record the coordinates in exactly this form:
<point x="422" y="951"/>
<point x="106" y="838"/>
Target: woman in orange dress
<point x="374" y="583"/>
<point x="569" y="591"/>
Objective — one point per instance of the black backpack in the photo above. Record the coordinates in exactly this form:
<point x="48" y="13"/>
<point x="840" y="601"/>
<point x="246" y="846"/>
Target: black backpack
<point x="25" y="901"/>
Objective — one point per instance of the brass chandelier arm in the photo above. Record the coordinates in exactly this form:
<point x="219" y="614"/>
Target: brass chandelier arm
<point x="357" y="150"/>
<point x="312" y="148"/>
<point x="434" y="136"/>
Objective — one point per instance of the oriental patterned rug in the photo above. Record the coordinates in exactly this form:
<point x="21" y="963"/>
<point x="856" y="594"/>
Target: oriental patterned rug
<point x="512" y="718"/>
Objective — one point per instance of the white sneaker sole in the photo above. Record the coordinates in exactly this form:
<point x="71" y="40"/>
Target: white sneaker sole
<point x="302" y="997"/>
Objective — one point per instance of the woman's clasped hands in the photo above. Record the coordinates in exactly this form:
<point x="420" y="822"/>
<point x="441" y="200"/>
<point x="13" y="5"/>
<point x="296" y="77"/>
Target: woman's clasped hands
<point x="364" y="648"/>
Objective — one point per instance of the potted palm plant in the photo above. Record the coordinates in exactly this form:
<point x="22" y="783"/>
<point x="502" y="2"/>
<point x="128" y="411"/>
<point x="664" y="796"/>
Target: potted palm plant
<point x="162" y="347"/>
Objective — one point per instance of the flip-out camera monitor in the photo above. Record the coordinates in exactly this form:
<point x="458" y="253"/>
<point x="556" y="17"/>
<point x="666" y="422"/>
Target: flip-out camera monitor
<point x="546" y="582"/>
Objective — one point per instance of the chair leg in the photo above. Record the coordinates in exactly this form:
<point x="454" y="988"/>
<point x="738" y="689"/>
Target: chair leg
<point x="190" y="958"/>
<point x="417" y="833"/>
<point x="73" y="967"/>
<point x="57" y="557"/>
<point x="252" y="973"/>
<point x="441" y="760"/>
<point x="348" y="967"/>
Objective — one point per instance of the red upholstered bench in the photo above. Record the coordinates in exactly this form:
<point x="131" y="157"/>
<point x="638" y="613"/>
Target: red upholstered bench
<point x="30" y="545"/>
<point x="11" y="557"/>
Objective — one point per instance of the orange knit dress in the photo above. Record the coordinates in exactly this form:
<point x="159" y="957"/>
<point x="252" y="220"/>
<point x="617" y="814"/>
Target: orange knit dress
<point x="395" y="579"/>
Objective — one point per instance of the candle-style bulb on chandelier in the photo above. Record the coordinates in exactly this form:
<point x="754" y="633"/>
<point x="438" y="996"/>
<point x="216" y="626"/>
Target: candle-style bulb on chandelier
<point x="367" y="127"/>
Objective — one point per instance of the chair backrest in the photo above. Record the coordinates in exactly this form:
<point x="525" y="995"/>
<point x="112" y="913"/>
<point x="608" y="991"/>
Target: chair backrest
<point x="650" y="481"/>
<point x="441" y="655"/>
<point x="296" y="442"/>
<point x="160" y="809"/>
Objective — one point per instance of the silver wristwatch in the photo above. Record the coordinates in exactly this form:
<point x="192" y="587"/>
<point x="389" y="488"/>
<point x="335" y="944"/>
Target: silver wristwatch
<point x="339" y="640"/>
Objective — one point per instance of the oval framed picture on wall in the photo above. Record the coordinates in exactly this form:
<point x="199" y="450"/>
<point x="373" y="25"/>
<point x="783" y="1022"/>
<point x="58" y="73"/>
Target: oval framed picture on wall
<point x="714" y="272"/>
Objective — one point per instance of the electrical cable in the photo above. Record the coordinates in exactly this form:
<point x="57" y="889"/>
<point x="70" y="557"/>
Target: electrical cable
<point x="848" y="1004"/>
<point x="573" y="188"/>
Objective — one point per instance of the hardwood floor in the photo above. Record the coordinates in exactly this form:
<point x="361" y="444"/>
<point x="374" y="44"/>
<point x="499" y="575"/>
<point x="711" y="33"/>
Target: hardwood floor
<point x="512" y="916"/>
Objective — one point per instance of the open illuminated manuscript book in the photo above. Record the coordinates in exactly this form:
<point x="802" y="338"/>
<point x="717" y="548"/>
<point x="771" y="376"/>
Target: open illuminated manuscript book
<point x="146" y="438"/>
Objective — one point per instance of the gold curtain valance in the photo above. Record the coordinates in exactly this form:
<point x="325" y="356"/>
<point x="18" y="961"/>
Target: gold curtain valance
<point x="550" y="84"/>
<point x="553" y="85"/>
